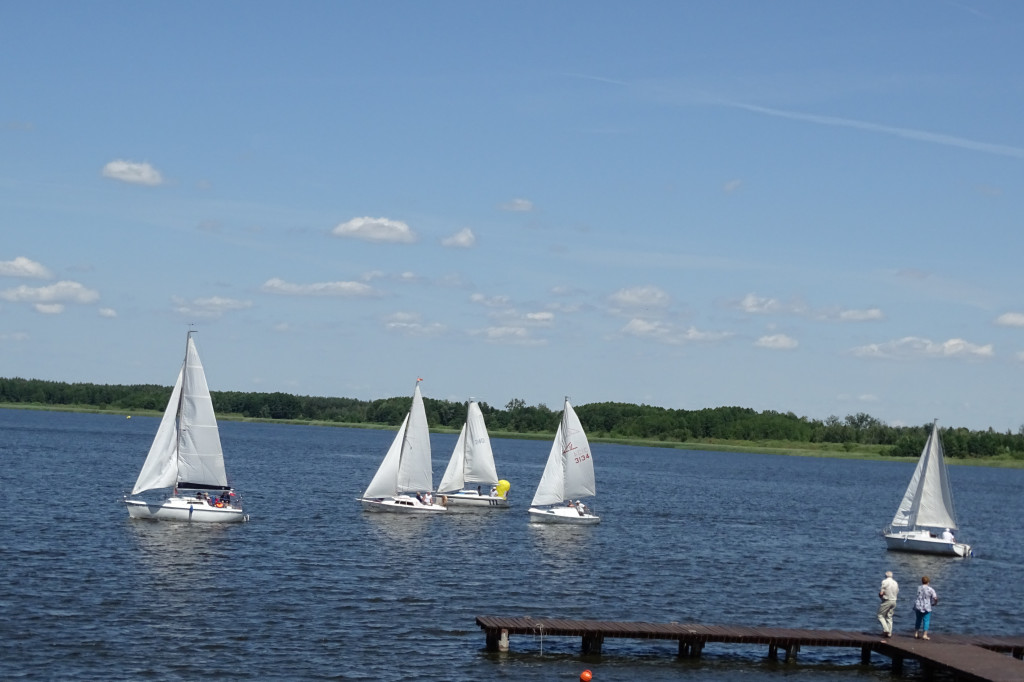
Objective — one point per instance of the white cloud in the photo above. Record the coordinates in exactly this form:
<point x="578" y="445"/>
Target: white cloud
<point x="519" y="336"/>
<point x="411" y="324"/>
<point x="777" y="342"/>
<point x="107" y="312"/>
<point x="376" y="230"/>
<point x="489" y="301"/>
<point x="647" y="329"/>
<point x="759" y="305"/>
<point x="913" y="346"/>
<point x="860" y="315"/>
<point x="512" y="318"/>
<point x="517" y="205"/>
<point x="132" y="172"/>
<point x="463" y="239"/>
<point x="1011" y="320"/>
<point x="347" y="289"/>
<point x="210" y="308"/>
<point x="23" y="267"/>
<point x="49" y="308"/>
<point x="59" y="292"/>
<point x="666" y="333"/>
<point x="641" y="297"/>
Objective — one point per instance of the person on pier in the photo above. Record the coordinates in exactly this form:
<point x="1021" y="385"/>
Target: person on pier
<point x="926" y="599"/>
<point x="888" y="592"/>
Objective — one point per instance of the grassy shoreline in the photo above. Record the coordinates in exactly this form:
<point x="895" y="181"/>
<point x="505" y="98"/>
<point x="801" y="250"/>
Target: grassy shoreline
<point x="824" y="450"/>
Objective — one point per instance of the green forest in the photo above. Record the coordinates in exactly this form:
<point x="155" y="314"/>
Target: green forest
<point x="607" y="421"/>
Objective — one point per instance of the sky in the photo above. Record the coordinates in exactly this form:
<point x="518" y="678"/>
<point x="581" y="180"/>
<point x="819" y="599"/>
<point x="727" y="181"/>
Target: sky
<point x="799" y="206"/>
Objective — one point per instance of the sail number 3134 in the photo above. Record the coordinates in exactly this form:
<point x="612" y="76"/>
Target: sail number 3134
<point x="581" y="458"/>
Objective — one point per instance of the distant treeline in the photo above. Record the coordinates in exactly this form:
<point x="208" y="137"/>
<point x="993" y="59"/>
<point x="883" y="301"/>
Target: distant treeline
<point x="602" y="420"/>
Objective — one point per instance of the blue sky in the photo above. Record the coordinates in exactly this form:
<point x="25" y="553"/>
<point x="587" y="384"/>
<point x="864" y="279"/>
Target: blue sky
<point x="809" y="207"/>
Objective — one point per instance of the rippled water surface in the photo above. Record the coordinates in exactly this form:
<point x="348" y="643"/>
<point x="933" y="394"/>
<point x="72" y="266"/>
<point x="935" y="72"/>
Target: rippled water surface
<point x="315" y="588"/>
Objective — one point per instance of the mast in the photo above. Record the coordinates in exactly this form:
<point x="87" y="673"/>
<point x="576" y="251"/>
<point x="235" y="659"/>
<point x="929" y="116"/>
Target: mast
<point x="405" y="436"/>
<point x="181" y="400"/>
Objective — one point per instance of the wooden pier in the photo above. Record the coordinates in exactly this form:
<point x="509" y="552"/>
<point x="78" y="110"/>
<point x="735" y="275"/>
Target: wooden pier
<point x="966" y="657"/>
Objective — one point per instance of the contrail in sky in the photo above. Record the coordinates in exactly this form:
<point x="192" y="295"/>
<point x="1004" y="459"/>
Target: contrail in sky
<point x="909" y="133"/>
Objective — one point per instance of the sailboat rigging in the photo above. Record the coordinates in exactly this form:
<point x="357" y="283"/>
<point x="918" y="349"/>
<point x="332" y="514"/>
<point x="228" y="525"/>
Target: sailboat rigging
<point x="569" y="474"/>
<point x="926" y="519"/>
<point x="186" y="453"/>
<point x="472" y="461"/>
<point x="406" y="468"/>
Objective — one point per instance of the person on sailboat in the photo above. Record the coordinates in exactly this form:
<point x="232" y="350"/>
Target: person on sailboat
<point x="888" y="592"/>
<point x="947" y="536"/>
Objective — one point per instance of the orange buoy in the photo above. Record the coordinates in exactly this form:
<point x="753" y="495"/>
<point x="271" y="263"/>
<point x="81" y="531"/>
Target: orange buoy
<point x="586" y="676"/>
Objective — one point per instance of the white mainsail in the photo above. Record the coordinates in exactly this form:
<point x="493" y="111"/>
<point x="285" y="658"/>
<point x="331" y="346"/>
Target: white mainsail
<point x="200" y="456"/>
<point x="569" y="472"/>
<point x="187" y="446"/>
<point x="406" y="466"/>
<point x="928" y="501"/>
<point x="472" y="459"/>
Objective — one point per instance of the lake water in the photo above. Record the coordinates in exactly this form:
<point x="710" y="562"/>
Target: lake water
<point x="314" y="588"/>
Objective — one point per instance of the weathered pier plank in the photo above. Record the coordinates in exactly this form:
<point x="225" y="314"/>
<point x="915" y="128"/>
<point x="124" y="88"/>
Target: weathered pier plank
<point x="968" y="657"/>
<point x="966" y="661"/>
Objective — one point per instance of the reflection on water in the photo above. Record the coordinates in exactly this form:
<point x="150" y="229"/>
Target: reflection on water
<point x="562" y="548"/>
<point x="403" y="530"/>
<point x="180" y="551"/>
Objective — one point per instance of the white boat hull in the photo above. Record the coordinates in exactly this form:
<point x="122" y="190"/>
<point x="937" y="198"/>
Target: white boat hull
<point x="471" y="498"/>
<point x="568" y="515"/>
<point x="402" y="504"/>
<point x="923" y="542"/>
<point x="184" y="509"/>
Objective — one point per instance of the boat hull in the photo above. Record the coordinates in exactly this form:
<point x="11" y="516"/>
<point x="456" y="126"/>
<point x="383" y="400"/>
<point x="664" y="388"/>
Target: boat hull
<point x="184" y="509"/>
<point x="402" y="504"/>
<point x="471" y="498"/>
<point x="922" y="542"/>
<point x="565" y="515"/>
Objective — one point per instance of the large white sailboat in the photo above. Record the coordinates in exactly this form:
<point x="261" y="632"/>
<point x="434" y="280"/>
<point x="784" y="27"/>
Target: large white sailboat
<point x="472" y="462"/>
<point x="186" y="454"/>
<point x="568" y="474"/>
<point x="926" y="519"/>
<point x="404" y="479"/>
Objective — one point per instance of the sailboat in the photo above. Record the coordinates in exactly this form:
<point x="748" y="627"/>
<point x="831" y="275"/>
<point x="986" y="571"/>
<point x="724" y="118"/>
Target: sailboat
<point x="568" y="474"/>
<point x="406" y="468"/>
<point x="472" y="462"/>
<point x="186" y="454"/>
<point x="926" y="519"/>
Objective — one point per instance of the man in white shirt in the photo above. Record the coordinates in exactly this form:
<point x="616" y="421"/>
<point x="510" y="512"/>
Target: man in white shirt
<point x="947" y="536"/>
<point x="887" y="593"/>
